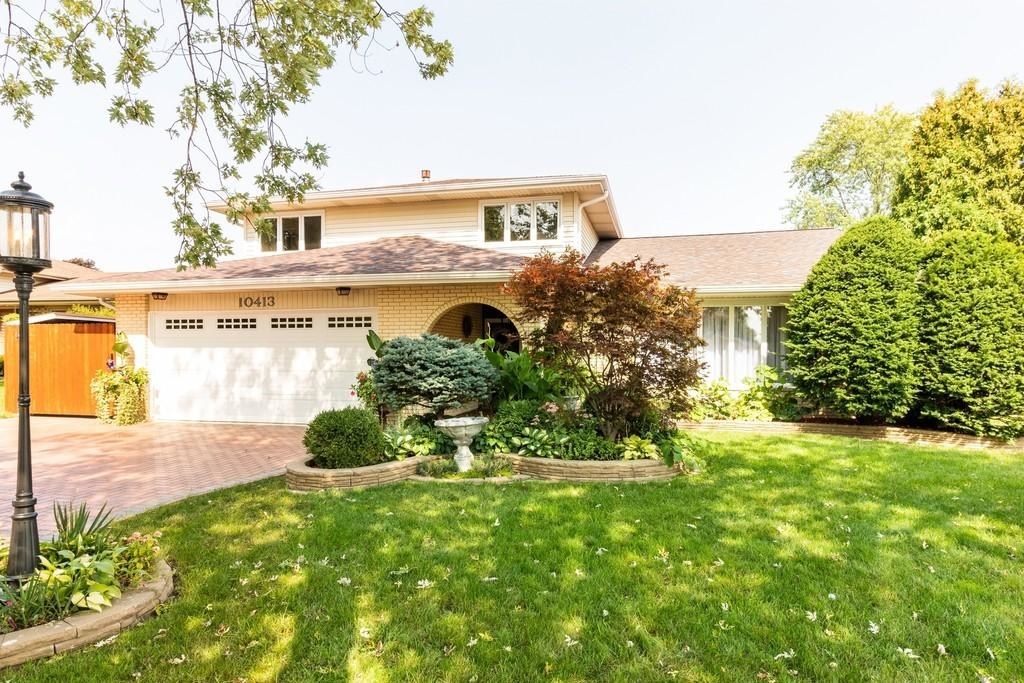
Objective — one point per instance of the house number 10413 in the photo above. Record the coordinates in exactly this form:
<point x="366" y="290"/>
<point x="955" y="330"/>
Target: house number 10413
<point x="255" y="302"/>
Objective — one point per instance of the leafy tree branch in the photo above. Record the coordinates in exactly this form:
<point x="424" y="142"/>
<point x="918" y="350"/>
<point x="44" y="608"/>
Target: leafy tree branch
<point x="243" y="65"/>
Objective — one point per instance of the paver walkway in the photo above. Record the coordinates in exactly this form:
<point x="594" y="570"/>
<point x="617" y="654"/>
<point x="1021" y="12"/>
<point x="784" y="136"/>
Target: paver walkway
<point x="138" y="467"/>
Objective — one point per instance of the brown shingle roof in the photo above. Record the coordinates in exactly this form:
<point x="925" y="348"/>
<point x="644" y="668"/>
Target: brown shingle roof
<point x="742" y="260"/>
<point x="392" y="255"/>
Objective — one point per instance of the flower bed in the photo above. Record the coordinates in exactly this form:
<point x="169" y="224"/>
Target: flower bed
<point x="300" y="475"/>
<point x="87" y="627"/>
<point x="592" y="470"/>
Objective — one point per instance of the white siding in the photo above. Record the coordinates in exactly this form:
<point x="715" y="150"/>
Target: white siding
<point x="457" y="221"/>
<point x="588" y="236"/>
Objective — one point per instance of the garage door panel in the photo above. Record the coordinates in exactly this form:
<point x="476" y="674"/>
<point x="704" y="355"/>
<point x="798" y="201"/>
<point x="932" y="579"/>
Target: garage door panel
<point x="279" y="367"/>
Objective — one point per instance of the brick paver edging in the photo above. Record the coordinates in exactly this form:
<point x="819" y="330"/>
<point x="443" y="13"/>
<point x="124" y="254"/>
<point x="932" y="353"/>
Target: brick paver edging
<point x="87" y="627"/>
<point x="592" y="470"/>
<point x="902" y="435"/>
<point x="300" y="477"/>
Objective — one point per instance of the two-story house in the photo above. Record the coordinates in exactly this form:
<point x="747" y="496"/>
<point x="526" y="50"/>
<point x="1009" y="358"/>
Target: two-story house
<point x="279" y="334"/>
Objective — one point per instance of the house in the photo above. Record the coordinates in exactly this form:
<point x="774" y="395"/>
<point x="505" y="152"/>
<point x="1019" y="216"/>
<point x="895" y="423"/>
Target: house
<point x="47" y="297"/>
<point x="279" y="334"/>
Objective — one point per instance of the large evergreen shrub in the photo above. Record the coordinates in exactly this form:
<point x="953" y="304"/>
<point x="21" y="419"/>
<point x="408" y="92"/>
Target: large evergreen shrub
<point x="434" y="372"/>
<point x="852" y="333"/>
<point x="972" y="333"/>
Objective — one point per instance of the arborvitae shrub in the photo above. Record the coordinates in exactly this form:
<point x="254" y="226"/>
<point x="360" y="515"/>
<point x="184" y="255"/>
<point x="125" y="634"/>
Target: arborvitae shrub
<point x="852" y="333"/>
<point x="972" y="334"/>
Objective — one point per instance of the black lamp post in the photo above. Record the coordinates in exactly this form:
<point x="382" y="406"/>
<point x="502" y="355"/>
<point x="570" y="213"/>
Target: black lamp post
<point x="24" y="250"/>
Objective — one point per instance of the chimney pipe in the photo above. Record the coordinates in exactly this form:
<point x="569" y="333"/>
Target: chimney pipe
<point x="425" y="175"/>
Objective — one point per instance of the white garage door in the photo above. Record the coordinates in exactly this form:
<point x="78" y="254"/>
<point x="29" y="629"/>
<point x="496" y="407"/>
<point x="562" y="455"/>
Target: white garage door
<point x="280" y="366"/>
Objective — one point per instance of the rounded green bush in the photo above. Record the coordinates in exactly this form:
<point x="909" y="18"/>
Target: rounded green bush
<point x="345" y="438"/>
<point x="853" y="328"/>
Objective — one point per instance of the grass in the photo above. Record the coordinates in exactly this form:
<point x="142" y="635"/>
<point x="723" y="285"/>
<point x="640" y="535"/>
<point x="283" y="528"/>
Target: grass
<point x="781" y="561"/>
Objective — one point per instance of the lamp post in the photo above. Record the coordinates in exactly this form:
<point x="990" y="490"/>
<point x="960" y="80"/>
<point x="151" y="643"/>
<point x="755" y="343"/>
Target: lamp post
<point x="24" y="250"/>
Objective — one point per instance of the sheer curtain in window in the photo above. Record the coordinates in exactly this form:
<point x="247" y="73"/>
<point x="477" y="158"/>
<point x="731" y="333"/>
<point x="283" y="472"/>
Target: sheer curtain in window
<point x="777" y="318"/>
<point x="746" y="344"/>
<point x="715" y="330"/>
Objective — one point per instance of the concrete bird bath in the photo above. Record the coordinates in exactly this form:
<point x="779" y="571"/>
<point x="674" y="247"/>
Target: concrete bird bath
<point x="462" y="430"/>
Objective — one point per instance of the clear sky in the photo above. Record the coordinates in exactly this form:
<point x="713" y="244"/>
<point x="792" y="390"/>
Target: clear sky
<point x="693" y="110"/>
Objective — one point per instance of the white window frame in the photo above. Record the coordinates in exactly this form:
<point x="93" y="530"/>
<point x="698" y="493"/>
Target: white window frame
<point x="507" y="203"/>
<point x="729" y="370"/>
<point x="280" y="232"/>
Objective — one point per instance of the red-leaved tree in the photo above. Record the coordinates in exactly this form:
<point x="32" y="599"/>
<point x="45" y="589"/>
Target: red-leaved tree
<point x="628" y="338"/>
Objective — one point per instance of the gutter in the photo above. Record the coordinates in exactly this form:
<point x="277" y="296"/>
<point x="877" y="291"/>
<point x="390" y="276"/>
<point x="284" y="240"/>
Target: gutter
<point x="293" y="282"/>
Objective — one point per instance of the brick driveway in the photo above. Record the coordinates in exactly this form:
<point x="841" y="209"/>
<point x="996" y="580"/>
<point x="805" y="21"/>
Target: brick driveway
<point x="138" y="467"/>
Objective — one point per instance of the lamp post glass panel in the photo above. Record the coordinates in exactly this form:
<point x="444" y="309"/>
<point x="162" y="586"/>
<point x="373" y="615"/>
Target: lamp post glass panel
<point x="24" y="250"/>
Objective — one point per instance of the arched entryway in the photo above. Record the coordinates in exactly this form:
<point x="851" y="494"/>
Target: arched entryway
<point x="471" y="321"/>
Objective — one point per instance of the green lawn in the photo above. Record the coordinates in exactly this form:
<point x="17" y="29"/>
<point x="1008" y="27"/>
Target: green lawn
<point x="809" y="557"/>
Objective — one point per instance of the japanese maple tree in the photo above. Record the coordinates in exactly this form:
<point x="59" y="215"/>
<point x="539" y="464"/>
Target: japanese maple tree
<point x="627" y="337"/>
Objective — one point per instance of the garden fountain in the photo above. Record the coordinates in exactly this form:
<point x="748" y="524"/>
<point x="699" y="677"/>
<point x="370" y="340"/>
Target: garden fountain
<point x="462" y="430"/>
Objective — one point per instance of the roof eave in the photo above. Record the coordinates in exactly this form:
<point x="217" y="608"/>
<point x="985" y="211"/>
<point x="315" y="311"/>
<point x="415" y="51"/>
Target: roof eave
<point x="429" y="190"/>
<point x="286" y="282"/>
<point x="746" y="290"/>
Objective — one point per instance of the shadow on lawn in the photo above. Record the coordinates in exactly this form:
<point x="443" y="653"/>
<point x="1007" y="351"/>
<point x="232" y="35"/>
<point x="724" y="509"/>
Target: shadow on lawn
<point x="701" y="578"/>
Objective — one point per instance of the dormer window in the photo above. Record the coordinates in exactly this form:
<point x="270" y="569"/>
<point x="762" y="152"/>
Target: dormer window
<point x="292" y="233"/>
<point x="520" y="221"/>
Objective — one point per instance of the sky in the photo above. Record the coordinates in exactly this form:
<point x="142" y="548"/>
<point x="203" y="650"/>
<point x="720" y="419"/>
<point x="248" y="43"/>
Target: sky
<point x="693" y="110"/>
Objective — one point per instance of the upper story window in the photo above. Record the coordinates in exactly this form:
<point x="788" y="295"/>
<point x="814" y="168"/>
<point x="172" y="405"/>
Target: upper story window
<point x="292" y="233"/>
<point x="520" y="221"/>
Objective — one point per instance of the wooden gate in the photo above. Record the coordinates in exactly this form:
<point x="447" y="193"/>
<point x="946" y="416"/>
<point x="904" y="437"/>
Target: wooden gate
<point x="64" y="356"/>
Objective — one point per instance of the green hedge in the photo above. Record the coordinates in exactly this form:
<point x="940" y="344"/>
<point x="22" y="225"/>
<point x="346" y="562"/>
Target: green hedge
<point x="853" y="331"/>
<point x="972" y="332"/>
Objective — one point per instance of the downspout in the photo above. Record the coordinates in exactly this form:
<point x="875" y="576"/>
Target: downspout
<point x="104" y="304"/>
<point x="579" y="220"/>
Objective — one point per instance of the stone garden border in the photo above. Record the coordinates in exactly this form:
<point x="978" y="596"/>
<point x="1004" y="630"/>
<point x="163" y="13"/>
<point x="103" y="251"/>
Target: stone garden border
<point x="592" y="470"/>
<point x="87" y="627"/>
<point x="903" y="435"/>
<point x="300" y="477"/>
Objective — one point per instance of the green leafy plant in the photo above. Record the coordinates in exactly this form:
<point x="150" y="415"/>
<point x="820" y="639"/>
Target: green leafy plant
<point x="768" y="397"/>
<point x="80" y="581"/>
<point x="540" y="443"/>
<point x="506" y="424"/>
<point x="80" y="531"/>
<point x="120" y="394"/>
<point x="683" y="451"/>
<point x="414" y="438"/>
<point x="433" y="372"/>
<point x="351" y="437"/>
<point x="638" y="448"/>
<point x="136" y="563"/>
<point x="585" y="443"/>
<point x="713" y="401"/>
<point x="521" y="377"/>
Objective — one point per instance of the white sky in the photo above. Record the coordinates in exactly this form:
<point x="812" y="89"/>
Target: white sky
<point x="694" y="111"/>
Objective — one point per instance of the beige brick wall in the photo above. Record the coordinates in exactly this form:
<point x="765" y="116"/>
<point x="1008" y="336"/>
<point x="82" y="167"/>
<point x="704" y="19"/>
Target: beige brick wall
<point x="133" y="319"/>
<point x="413" y="309"/>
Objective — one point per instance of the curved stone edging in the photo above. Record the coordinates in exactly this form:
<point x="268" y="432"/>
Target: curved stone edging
<point x="592" y="470"/>
<point x="903" y="435"/>
<point x="87" y="627"/>
<point x="300" y="477"/>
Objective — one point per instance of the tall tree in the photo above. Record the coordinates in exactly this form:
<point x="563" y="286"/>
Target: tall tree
<point x="965" y="166"/>
<point x="848" y="173"/>
<point x="82" y="261"/>
<point x="242" y="66"/>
